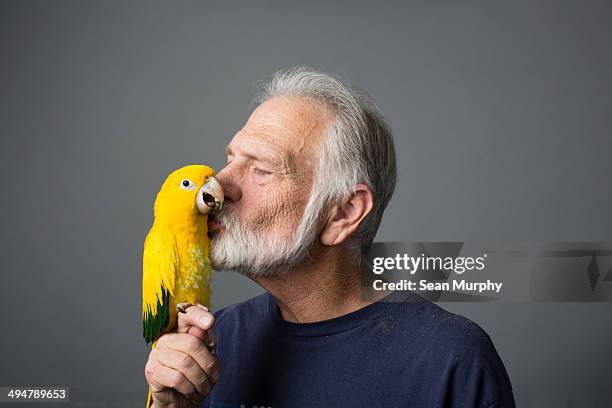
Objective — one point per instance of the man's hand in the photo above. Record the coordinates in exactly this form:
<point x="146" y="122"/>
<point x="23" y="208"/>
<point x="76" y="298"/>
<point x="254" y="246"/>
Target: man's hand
<point x="181" y="371"/>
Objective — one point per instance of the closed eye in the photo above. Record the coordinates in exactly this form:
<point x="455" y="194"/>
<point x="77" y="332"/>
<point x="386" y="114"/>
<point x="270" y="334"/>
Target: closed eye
<point x="261" y="172"/>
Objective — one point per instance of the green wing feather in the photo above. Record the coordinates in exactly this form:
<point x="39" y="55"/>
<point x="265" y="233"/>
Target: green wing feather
<point x="159" y="268"/>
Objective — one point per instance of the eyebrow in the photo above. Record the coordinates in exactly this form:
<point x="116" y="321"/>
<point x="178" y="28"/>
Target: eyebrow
<point x="289" y="161"/>
<point x="267" y="159"/>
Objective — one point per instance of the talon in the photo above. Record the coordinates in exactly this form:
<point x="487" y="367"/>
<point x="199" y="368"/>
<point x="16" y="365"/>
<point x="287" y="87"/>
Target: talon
<point x="182" y="307"/>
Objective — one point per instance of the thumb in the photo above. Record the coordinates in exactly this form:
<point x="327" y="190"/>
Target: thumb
<point x="197" y="321"/>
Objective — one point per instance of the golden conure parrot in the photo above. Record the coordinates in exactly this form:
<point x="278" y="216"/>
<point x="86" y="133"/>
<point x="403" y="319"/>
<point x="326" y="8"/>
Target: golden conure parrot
<point x="176" y="270"/>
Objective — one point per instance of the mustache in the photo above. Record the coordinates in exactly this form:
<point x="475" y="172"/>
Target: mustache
<point x="229" y="219"/>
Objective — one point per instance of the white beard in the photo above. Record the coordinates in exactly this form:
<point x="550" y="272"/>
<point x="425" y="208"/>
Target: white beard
<point x="262" y="253"/>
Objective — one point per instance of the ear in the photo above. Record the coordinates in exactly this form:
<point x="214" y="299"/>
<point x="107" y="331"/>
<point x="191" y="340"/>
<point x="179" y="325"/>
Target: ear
<point x="346" y="217"/>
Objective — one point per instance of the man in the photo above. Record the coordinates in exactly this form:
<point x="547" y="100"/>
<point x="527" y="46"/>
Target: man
<point x="306" y="183"/>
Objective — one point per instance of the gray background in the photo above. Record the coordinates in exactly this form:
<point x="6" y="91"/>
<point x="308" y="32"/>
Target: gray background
<point x="502" y="120"/>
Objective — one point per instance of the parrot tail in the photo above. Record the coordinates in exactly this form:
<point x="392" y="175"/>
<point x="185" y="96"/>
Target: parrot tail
<point x="149" y="396"/>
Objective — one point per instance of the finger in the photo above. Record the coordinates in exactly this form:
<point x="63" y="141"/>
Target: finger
<point x="163" y="380"/>
<point x="174" y="399"/>
<point x="207" y="337"/>
<point x="199" y="333"/>
<point x="186" y="365"/>
<point x="198" y="350"/>
<point x="167" y="397"/>
<point x="197" y="316"/>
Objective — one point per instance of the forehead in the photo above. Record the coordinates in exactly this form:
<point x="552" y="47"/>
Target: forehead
<point x="287" y="126"/>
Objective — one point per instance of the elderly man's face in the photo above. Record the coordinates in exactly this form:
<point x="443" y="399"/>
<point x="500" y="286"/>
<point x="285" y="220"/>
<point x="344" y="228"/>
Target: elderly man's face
<point x="267" y="183"/>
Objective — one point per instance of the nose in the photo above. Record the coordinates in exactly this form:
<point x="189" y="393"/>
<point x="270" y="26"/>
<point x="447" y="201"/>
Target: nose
<point x="229" y="182"/>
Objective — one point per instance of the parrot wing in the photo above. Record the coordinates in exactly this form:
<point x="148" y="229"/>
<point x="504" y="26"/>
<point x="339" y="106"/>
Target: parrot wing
<point x="159" y="268"/>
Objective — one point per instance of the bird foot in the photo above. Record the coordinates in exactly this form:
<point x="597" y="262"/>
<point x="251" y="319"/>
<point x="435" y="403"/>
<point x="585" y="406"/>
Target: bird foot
<point x="182" y="307"/>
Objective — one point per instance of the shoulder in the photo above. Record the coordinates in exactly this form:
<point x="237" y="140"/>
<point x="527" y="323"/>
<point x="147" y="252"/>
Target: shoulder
<point x="462" y="332"/>
<point x="443" y="328"/>
<point x="458" y="350"/>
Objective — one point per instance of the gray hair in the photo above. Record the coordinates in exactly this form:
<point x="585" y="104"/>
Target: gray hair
<point x="358" y="147"/>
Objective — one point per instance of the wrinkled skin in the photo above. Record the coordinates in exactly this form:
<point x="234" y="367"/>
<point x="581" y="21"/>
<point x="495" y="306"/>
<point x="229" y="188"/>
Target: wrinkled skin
<point x="270" y="167"/>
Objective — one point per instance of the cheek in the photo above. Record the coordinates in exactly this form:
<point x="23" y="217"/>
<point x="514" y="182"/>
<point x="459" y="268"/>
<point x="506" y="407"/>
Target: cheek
<point x="267" y="208"/>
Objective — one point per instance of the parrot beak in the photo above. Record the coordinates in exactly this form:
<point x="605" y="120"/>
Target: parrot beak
<point x="210" y="197"/>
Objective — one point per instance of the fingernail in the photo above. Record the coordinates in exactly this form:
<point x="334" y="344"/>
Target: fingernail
<point x="203" y="307"/>
<point x="204" y="320"/>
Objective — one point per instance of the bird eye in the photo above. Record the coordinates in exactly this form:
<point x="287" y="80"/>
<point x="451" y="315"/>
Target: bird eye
<point x="187" y="184"/>
<point x="207" y="178"/>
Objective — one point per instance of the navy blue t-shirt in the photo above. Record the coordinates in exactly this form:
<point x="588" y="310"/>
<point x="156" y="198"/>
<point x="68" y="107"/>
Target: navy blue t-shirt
<point x="388" y="354"/>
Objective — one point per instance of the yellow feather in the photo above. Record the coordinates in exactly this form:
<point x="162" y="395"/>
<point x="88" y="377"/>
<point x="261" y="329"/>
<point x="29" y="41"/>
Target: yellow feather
<point x="159" y="264"/>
